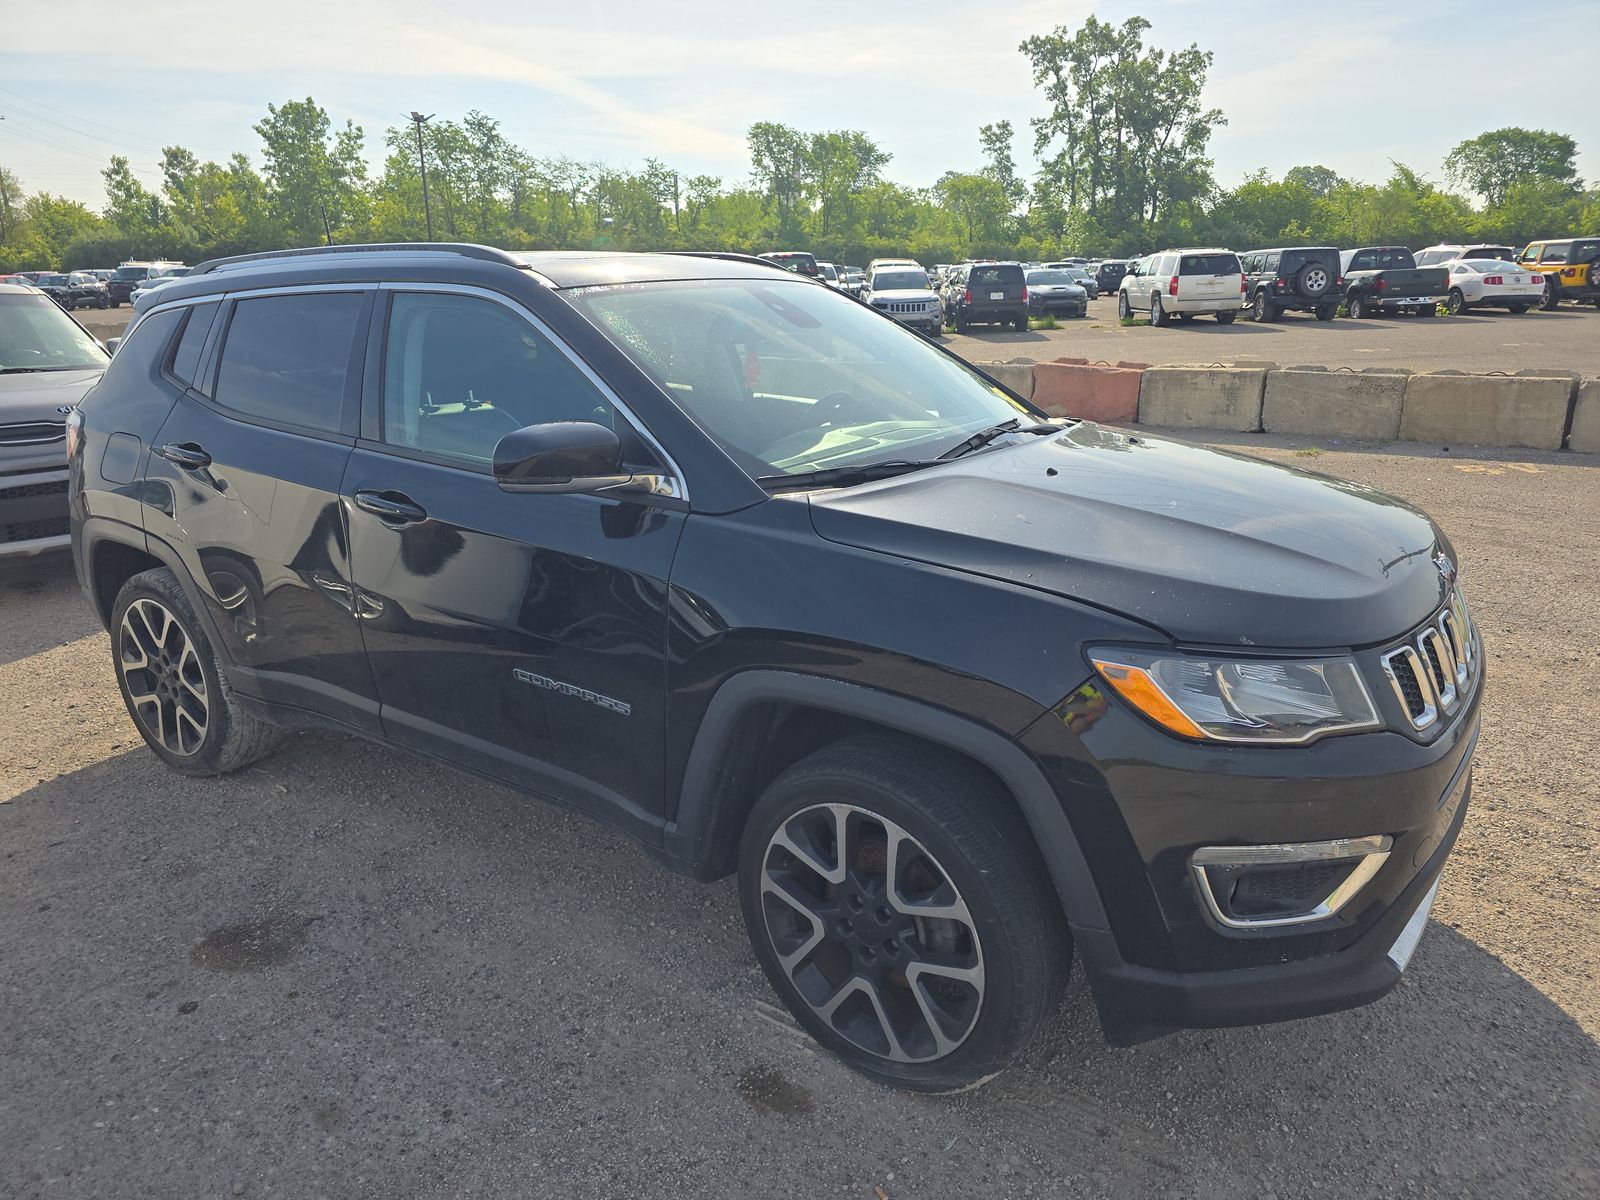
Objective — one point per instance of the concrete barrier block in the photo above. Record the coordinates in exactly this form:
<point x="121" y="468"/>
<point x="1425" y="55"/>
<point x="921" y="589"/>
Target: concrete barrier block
<point x="1095" y="393"/>
<point x="1486" y="410"/>
<point x="1585" y="436"/>
<point x="1202" y="398"/>
<point x="1325" y="403"/>
<point x="1016" y="376"/>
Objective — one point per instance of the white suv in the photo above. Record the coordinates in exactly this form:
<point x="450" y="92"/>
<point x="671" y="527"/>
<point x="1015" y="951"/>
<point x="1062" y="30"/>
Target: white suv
<point x="1181" y="283"/>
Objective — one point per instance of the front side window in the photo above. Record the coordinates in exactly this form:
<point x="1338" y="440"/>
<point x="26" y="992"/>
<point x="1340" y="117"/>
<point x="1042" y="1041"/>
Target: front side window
<point x="35" y="335"/>
<point x="789" y="379"/>
<point x="461" y="372"/>
<point x="1555" y="252"/>
<point x="286" y="358"/>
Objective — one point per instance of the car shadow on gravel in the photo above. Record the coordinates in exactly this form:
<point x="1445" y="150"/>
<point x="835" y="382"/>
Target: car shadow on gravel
<point x="210" y="968"/>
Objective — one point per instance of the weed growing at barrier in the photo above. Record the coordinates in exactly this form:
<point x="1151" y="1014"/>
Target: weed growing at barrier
<point x="1308" y="452"/>
<point x="1045" y="322"/>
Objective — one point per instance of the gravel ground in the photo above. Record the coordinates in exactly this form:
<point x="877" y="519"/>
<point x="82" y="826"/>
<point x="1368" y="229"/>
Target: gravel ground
<point x="346" y="973"/>
<point x="1492" y="340"/>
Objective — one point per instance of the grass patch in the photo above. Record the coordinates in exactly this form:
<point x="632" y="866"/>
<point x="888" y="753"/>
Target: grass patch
<point x="1130" y="322"/>
<point x="1047" y="321"/>
<point x="1307" y="452"/>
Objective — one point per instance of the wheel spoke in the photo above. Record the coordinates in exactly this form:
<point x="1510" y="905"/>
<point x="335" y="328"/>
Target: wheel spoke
<point x="807" y="855"/>
<point x="856" y="985"/>
<point x="771" y="887"/>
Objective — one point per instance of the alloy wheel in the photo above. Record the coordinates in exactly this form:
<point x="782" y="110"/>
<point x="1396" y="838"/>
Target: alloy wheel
<point x="161" y="672"/>
<point x="872" y="933"/>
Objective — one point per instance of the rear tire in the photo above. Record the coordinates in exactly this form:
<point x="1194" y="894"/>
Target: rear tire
<point x="1158" y="315"/>
<point x="1185" y="317"/>
<point x="1326" y="312"/>
<point x="1455" y="304"/>
<point x="845" y="948"/>
<point x="1430" y="311"/>
<point x="1022" y="323"/>
<point x="1124" y="309"/>
<point x="172" y="682"/>
<point x="1226" y="318"/>
<point x="1355" y="307"/>
<point x="1518" y="309"/>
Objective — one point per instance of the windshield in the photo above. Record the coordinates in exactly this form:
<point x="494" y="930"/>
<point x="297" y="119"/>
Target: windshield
<point x="52" y="280"/>
<point x="790" y="379"/>
<point x="1050" y="277"/>
<point x="130" y="273"/>
<point x="895" y="281"/>
<point x="36" y="335"/>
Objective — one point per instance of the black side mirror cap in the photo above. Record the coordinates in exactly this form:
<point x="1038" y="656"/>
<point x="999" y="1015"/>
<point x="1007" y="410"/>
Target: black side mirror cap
<point x="571" y="457"/>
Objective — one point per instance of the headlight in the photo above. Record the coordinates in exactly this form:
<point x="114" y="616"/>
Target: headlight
<point x="1281" y="701"/>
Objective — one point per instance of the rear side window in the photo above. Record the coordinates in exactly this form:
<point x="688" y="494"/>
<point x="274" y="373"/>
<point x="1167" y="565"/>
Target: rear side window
<point x="1209" y="264"/>
<point x="286" y="358"/>
<point x="186" y="355"/>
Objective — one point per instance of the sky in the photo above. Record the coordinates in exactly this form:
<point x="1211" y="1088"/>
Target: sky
<point x="1351" y="85"/>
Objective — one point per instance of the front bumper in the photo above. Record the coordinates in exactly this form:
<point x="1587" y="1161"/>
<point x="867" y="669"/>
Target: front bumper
<point x="1142" y="803"/>
<point x="33" y="512"/>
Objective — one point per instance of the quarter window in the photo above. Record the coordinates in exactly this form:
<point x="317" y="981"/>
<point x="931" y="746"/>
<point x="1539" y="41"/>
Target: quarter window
<point x="461" y="372"/>
<point x="286" y="358"/>
<point x="186" y="356"/>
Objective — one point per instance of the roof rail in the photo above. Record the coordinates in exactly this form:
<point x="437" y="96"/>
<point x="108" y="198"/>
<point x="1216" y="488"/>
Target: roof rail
<point x="731" y="256"/>
<point x="465" y="249"/>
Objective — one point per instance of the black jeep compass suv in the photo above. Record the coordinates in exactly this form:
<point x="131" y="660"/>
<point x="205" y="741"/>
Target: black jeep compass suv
<point x="748" y="570"/>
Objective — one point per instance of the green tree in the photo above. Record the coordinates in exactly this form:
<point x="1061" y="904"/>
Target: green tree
<point x="998" y="161"/>
<point x="979" y="205"/>
<point x="312" y="168"/>
<point x="130" y="206"/>
<point x="1126" y="135"/>
<point x="778" y="157"/>
<point x="1489" y="163"/>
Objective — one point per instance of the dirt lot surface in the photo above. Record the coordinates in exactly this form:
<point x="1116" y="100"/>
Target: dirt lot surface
<point x="1494" y="340"/>
<point x="346" y="973"/>
<point x="1568" y="338"/>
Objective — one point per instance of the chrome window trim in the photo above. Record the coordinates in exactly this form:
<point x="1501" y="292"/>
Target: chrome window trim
<point x="675" y="482"/>
<point x="1372" y="852"/>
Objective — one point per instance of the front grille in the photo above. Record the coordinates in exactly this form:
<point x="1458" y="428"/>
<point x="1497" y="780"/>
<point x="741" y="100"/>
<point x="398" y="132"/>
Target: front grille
<point x="1433" y="669"/>
<point x="906" y="306"/>
<point x="28" y="491"/>
<point x="27" y="531"/>
<point x="32" y="433"/>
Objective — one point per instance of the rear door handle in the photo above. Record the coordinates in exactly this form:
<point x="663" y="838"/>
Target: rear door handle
<point x="186" y="455"/>
<point x="394" y="507"/>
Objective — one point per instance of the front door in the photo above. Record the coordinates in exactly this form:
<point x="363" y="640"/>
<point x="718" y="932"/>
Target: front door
<point x="522" y="635"/>
<point x="243" y="480"/>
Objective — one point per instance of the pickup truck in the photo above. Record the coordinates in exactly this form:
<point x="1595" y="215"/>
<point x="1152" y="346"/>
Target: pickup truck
<point x="1387" y="279"/>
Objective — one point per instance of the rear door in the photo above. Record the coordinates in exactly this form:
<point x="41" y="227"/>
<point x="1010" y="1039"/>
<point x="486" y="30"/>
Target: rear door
<point x="520" y="635"/>
<point x="243" y="481"/>
<point x="996" y="285"/>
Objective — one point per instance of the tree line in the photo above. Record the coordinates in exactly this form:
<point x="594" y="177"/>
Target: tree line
<point x="1124" y="168"/>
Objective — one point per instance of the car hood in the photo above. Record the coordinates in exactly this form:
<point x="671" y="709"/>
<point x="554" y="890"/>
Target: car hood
<point x="1055" y="287"/>
<point x="1209" y="547"/>
<point x="35" y="395"/>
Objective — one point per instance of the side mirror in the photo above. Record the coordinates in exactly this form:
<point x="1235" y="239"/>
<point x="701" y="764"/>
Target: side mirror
<point x="111" y="344"/>
<point x="570" y="457"/>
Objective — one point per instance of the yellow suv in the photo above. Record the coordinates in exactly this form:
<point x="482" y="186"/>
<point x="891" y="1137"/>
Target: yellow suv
<point x="1570" y="266"/>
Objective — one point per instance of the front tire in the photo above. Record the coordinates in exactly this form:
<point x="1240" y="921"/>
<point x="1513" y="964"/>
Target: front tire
<point x="173" y="685"/>
<point x="898" y="905"/>
<point x="1456" y="304"/>
<point x="1549" y="301"/>
<point x="1262" y="309"/>
<point x="1356" y="307"/>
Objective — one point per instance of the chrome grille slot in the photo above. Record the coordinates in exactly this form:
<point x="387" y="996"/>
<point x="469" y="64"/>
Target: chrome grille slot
<point x="1431" y="672"/>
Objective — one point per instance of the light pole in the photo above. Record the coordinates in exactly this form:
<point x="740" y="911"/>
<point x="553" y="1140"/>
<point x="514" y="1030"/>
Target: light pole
<point x="422" y="165"/>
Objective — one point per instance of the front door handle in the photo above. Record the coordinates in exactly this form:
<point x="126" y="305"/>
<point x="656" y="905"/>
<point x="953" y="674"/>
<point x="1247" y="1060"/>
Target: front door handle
<point x="186" y="455"/>
<point x="394" y="507"/>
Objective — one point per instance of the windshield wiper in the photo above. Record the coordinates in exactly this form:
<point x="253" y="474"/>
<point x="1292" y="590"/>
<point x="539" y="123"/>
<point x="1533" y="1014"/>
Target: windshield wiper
<point x="984" y="436"/>
<point x="842" y="476"/>
<point x="34" y="370"/>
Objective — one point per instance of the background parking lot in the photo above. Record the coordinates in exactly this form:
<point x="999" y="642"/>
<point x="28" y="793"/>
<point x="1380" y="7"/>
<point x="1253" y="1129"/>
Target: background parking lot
<point x="347" y="973"/>
<point x="1568" y="338"/>
<point x="1478" y="342"/>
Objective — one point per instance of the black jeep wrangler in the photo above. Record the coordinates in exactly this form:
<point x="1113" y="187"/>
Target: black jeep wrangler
<point x="750" y="571"/>
<point x="1297" y="278"/>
